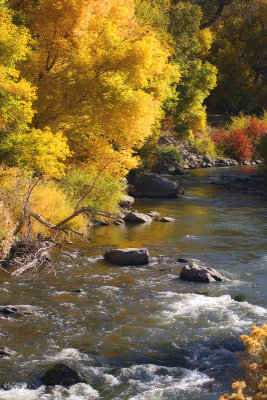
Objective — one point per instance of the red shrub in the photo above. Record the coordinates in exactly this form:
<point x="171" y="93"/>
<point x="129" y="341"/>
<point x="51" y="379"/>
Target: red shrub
<point x="255" y="129"/>
<point x="218" y="136"/>
<point x="238" y="145"/>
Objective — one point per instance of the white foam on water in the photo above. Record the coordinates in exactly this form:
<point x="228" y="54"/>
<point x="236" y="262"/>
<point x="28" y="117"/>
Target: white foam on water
<point x="111" y="380"/>
<point x="222" y="311"/>
<point x="20" y="394"/>
<point x="93" y="260"/>
<point x="157" y="382"/>
<point x="80" y="391"/>
<point x="68" y="354"/>
<point x="109" y="288"/>
<point x="166" y="295"/>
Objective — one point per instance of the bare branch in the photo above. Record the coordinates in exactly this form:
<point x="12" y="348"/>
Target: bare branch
<point x="85" y="210"/>
<point x="92" y="186"/>
<point x="24" y="216"/>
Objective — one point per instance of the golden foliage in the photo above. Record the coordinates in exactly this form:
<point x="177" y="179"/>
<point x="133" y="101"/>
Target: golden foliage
<point x="34" y="149"/>
<point x="47" y="199"/>
<point x="255" y="363"/>
<point x="7" y="228"/>
<point x="100" y="78"/>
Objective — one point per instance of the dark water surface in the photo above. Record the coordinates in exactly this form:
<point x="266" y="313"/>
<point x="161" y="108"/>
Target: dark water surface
<point x="138" y="333"/>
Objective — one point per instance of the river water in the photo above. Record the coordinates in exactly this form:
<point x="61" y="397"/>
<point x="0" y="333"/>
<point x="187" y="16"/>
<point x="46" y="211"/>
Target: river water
<point x="139" y="333"/>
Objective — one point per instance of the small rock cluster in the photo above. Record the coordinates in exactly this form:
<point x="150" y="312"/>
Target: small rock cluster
<point x="149" y="185"/>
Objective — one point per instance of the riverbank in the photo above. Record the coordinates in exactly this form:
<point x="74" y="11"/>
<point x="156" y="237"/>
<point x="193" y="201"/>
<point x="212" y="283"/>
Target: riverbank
<point x="135" y="332"/>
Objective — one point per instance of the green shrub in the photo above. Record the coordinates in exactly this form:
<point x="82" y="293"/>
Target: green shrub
<point x="100" y="192"/>
<point x="204" y="146"/>
<point x="168" y="154"/>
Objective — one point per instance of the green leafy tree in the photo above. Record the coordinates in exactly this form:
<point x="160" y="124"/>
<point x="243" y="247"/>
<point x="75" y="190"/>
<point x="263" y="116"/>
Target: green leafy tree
<point x="239" y="52"/>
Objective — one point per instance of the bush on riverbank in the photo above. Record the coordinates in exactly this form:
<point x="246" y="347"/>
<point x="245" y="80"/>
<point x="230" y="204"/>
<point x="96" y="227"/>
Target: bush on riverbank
<point x="53" y="200"/>
<point x="241" y="138"/>
<point x="203" y="144"/>
<point x="97" y="191"/>
<point x="168" y="154"/>
<point x="47" y="200"/>
<point x="254" y="387"/>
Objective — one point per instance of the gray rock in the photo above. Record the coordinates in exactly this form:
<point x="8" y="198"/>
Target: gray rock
<point x="207" y="159"/>
<point x="166" y="219"/>
<point x="63" y="375"/>
<point x="138" y="218"/>
<point x="199" y="273"/>
<point x="154" y="214"/>
<point x="179" y="170"/>
<point x="126" y="202"/>
<point x="119" y="222"/>
<point x="219" y="162"/>
<point x="155" y="186"/>
<point x="129" y="256"/>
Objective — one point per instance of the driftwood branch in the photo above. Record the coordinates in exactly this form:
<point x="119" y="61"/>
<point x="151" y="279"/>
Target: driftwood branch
<point x="61" y="226"/>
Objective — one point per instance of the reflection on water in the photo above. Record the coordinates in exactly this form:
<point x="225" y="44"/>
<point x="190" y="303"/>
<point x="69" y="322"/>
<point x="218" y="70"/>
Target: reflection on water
<point x="138" y="332"/>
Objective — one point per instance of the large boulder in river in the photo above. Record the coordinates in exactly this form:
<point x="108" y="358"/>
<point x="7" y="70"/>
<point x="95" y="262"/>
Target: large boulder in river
<point x="155" y="186"/>
<point x="63" y="375"/>
<point x="199" y="273"/>
<point x="137" y="218"/>
<point x="127" y="256"/>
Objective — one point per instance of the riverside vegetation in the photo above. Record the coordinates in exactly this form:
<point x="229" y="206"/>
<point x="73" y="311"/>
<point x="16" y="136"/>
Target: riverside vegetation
<point x="87" y="88"/>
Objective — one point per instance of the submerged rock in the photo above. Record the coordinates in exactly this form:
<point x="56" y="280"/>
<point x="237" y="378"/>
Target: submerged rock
<point x="199" y="273"/>
<point x="240" y="298"/>
<point x="130" y="256"/>
<point x="166" y="219"/>
<point x="77" y="291"/>
<point x="9" y="311"/>
<point x="155" y="186"/>
<point x="183" y="260"/>
<point x="13" y="312"/>
<point x="63" y="375"/>
<point x="138" y="218"/>
<point x="5" y="352"/>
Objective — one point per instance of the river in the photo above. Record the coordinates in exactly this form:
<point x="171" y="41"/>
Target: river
<point x="139" y="333"/>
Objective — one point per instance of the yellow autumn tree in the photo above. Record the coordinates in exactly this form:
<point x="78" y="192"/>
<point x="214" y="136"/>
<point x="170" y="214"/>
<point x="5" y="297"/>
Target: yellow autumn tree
<point x="100" y="78"/>
<point x="34" y="149"/>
